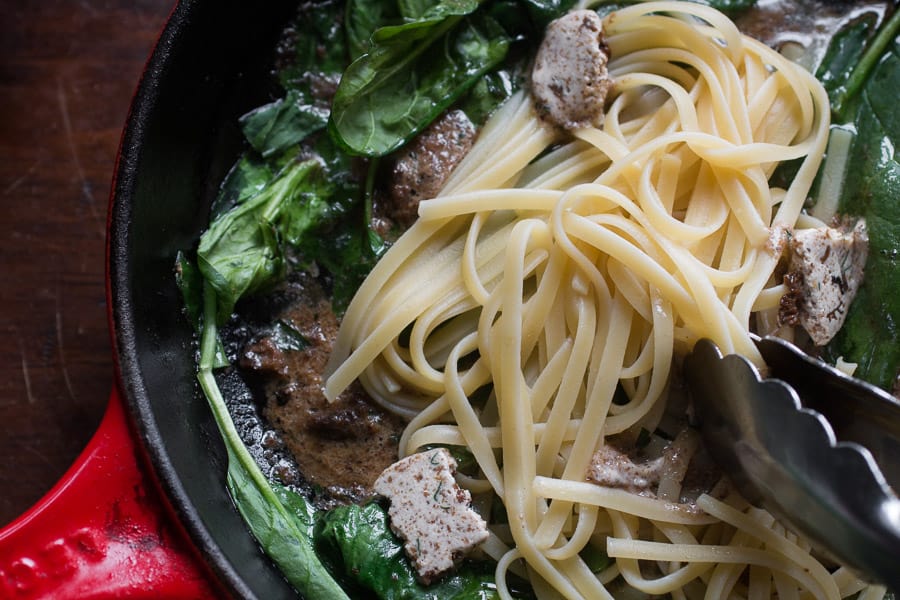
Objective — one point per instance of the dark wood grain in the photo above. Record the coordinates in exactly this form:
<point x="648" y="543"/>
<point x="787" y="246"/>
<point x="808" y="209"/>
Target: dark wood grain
<point x="67" y="74"/>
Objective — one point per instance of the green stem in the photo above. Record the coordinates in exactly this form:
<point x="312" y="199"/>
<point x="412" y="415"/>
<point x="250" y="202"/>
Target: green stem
<point x="273" y="526"/>
<point x="217" y="401"/>
<point x="867" y="62"/>
<point x="282" y="186"/>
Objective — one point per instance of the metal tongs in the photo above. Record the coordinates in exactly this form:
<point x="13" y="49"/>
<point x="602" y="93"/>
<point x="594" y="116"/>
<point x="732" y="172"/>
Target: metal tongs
<point x="818" y="449"/>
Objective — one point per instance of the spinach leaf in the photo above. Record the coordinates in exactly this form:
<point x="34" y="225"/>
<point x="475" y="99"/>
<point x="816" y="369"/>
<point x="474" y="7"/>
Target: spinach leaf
<point x="308" y="71"/>
<point x="373" y="557"/>
<point x="487" y="94"/>
<point x="844" y="52"/>
<point x="412" y="10"/>
<point x="871" y="333"/>
<point x="597" y="559"/>
<point x="316" y="50"/>
<point x="544" y="11"/>
<point x="348" y="256"/>
<point x="274" y="127"/>
<point x="281" y="520"/>
<point x="240" y="252"/>
<point x="249" y="175"/>
<point x="310" y="208"/>
<point x="524" y="23"/>
<point x="860" y="75"/>
<point x="411" y="74"/>
<point x="342" y="241"/>
<point x="313" y="205"/>
<point x="285" y="336"/>
<point x="190" y="284"/>
<point x="362" y="18"/>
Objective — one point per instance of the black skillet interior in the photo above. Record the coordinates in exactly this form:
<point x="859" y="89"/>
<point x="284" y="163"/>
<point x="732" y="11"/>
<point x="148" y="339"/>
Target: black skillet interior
<point x="210" y="66"/>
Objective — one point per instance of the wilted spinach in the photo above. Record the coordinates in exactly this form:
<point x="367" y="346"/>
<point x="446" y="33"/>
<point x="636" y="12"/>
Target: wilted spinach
<point x="867" y="100"/>
<point x="191" y="284"/>
<point x="313" y="55"/>
<point x="281" y="520"/>
<point x="362" y="18"/>
<point x="241" y="252"/>
<point x="844" y="51"/>
<point x="283" y="123"/>
<point x="411" y="74"/>
<point x="360" y="538"/>
<point x="315" y="50"/>
<point x="255" y="215"/>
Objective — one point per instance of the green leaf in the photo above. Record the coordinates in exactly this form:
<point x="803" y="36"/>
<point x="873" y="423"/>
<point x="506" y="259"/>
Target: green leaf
<point x="280" y="520"/>
<point x="595" y="558"/>
<point x="524" y="24"/>
<point x="860" y="76"/>
<point x="361" y="539"/>
<point x="348" y="256"/>
<point x="302" y="513"/>
<point x="285" y="336"/>
<point x="363" y="17"/>
<point x="843" y="54"/>
<point x="412" y="73"/>
<point x="308" y="73"/>
<point x="274" y="127"/>
<point x="240" y="252"/>
<point x="249" y="175"/>
<point x="544" y="11"/>
<point x="318" y="48"/>
<point x="311" y="207"/>
<point x="871" y="333"/>
<point x="486" y="95"/>
<point x="336" y="235"/>
<point x="412" y="10"/>
<point x="190" y="284"/>
<point x="373" y="557"/>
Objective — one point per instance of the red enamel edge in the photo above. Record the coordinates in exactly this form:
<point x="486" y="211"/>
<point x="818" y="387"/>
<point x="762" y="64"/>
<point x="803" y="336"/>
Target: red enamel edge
<point x="102" y="532"/>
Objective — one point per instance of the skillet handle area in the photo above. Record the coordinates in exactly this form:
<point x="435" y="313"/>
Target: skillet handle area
<point x="102" y="532"/>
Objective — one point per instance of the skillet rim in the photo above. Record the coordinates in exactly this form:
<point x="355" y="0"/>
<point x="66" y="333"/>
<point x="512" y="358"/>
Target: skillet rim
<point x="260" y="578"/>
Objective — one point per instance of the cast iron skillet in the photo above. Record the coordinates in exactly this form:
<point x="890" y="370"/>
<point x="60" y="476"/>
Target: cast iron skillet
<point x="112" y="527"/>
<point x="210" y="66"/>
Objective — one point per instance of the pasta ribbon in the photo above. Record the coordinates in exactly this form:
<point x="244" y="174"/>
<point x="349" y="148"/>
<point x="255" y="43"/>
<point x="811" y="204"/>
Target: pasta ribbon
<point x="562" y="274"/>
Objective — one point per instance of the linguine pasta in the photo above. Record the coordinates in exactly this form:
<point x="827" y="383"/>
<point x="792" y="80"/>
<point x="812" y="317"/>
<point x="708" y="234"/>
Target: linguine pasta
<point x="555" y="271"/>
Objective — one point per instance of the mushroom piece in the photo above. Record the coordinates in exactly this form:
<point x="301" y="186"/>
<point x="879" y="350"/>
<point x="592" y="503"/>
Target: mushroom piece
<point x="431" y="512"/>
<point x="825" y="272"/>
<point x="570" y="80"/>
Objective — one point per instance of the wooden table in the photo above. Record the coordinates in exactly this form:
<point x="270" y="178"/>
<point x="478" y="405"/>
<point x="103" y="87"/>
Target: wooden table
<point x="67" y="74"/>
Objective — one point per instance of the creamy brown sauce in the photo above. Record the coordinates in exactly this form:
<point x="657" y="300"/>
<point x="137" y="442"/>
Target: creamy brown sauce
<point x="340" y="447"/>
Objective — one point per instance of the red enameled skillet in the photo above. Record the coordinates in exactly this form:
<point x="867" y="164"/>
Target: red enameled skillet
<point x="144" y="512"/>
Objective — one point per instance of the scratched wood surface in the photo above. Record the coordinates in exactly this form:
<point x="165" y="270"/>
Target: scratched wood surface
<point x="67" y="73"/>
